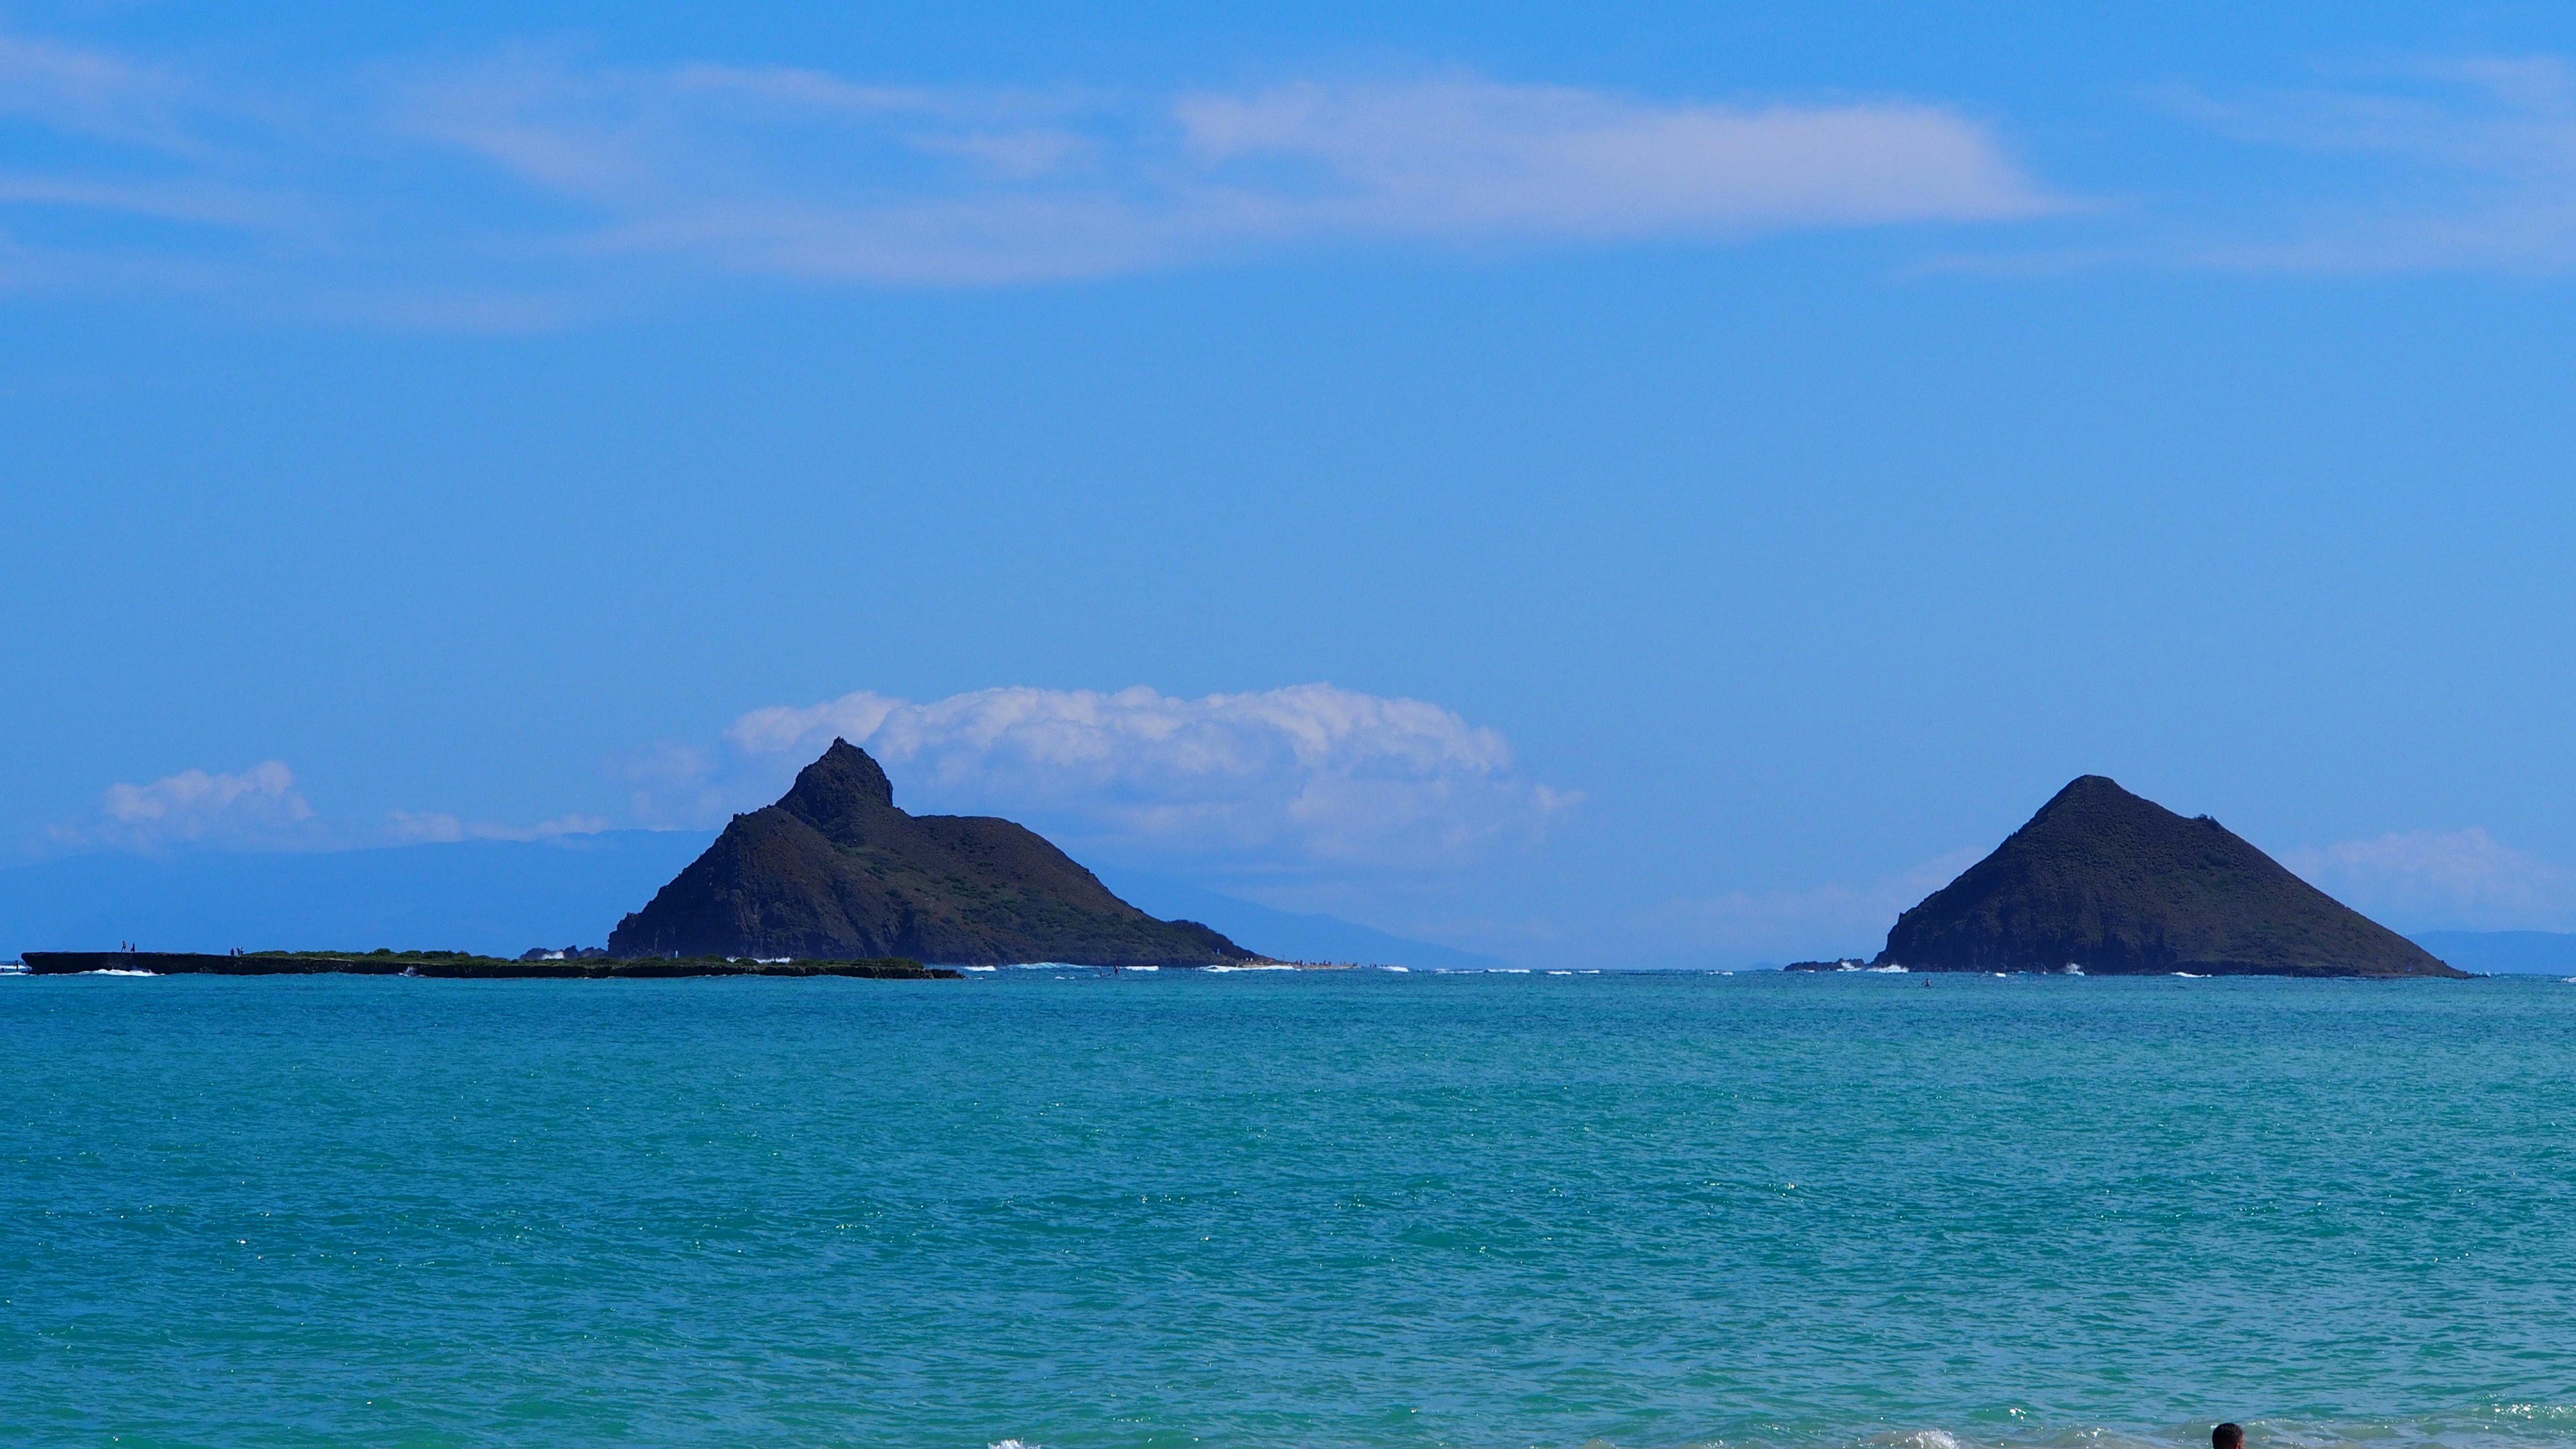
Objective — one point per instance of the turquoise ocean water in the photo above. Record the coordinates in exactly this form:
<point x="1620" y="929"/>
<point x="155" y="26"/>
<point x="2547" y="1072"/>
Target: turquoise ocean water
<point x="1270" y="1209"/>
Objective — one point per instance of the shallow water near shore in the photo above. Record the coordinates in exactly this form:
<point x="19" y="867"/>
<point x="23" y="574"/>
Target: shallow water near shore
<point x="1286" y="1209"/>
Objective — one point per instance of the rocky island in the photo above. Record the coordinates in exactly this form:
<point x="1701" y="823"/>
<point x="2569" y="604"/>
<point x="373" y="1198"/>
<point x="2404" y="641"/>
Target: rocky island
<point x="2113" y="885"/>
<point x="834" y="870"/>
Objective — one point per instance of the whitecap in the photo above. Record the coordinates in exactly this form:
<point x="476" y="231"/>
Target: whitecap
<point x="982" y="968"/>
<point x="2192" y="975"/>
<point x="1511" y="971"/>
<point x="1560" y="973"/>
<point x="115" y="971"/>
<point x="1919" y="1439"/>
<point x="1395" y="968"/>
<point x="1884" y="970"/>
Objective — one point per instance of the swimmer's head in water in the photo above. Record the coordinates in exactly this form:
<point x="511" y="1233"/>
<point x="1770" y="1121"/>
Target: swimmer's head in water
<point x="2227" y="1436"/>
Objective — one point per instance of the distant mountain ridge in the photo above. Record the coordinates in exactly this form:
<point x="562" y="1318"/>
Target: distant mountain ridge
<point x="2117" y="885"/>
<point x="1291" y="935"/>
<point x="500" y="897"/>
<point x="496" y="897"/>
<point x="2504" y="953"/>
<point x="834" y="869"/>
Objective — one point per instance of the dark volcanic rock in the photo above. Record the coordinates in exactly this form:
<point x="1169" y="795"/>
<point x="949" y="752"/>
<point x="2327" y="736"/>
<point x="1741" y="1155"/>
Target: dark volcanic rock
<point x="2122" y="886"/>
<point x="834" y="869"/>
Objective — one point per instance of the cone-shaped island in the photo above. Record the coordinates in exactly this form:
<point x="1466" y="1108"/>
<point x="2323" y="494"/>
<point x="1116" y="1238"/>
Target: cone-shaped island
<point x="835" y="870"/>
<point x="2119" y="886"/>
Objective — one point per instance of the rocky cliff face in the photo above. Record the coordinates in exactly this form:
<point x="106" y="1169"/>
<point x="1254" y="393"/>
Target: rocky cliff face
<point x="834" y="870"/>
<point x="2118" y="885"/>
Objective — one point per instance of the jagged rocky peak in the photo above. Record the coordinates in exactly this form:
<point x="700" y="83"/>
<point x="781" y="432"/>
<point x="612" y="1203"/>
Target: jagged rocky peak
<point x="845" y="781"/>
<point x="836" y="870"/>
<point x="2113" y="884"/>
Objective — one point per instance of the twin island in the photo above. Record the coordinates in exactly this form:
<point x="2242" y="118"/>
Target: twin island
<point x="835" y="880"/>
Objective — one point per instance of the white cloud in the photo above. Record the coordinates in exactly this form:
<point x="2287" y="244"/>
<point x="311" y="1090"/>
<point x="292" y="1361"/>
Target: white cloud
<point x="1311" y="775"/>
<point x="2427" y="879"/>
<point x="258" y="807"/>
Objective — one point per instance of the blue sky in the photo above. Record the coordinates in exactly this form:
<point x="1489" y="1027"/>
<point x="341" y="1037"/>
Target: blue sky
<point x="1664" y="483"/>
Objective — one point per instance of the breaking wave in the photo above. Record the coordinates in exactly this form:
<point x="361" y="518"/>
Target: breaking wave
<point x="2503" y="1426"/>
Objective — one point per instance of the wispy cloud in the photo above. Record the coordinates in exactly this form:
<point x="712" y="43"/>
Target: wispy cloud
<point x="1475" y="158"/>
<point x="2426" y="879"/>
<point x="797" y="173"/>
<point x="1285" y="779"/>
<point x="93" y="94"/>
<point x="262" y="808"/>
<point x="409" y="827"/>
<point x="2453" y="164"/>
<point x="535" y="185"/>
<point x="530" y="171"/>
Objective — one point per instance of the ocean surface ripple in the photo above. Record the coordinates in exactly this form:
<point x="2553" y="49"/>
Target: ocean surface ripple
<point x="1287" y="1209"/>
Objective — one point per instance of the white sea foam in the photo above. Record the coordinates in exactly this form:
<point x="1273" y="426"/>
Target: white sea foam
<point x="1918" y="1439"/>
<point x="1560" y="973"/>
<point x="1511" y="970"/>
<point x="1273" y="966"/>
<point x="1885" y="970"/>
<point x="116" y="971"/>
<point x="2192" y="975"/>
<point x="1395" y="968"/>
<point x="2499" y="1426"/>
<point x="981" y="968"/>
